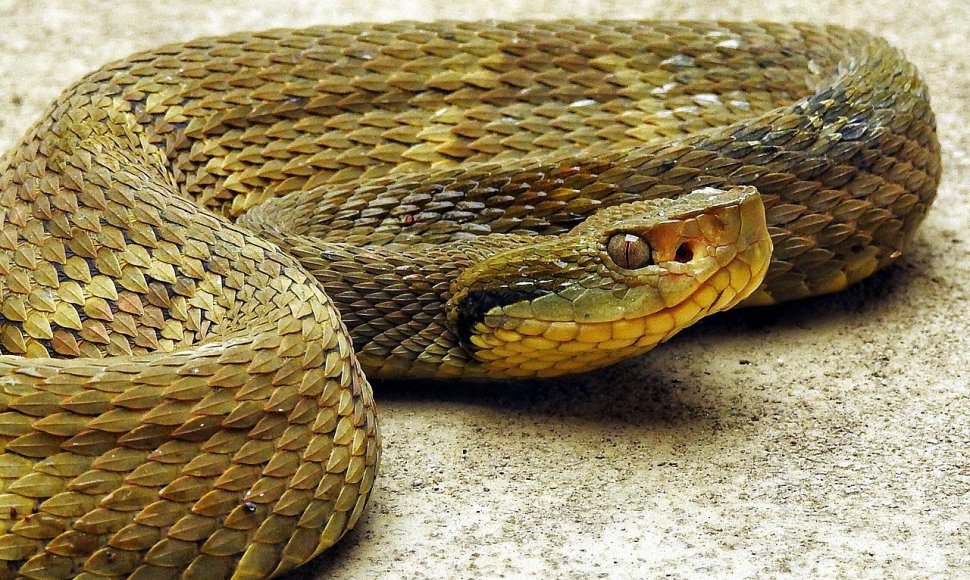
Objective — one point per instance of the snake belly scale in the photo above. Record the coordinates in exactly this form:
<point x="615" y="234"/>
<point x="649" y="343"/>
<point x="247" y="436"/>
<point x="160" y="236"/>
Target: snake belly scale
<point x="205" y="247"/>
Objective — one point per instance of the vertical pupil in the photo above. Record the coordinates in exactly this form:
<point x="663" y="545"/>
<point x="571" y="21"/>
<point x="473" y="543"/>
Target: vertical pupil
<point x="630" y="250"/>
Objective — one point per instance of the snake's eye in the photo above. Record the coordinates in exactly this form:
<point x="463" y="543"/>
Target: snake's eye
<point x="629" y="251"/>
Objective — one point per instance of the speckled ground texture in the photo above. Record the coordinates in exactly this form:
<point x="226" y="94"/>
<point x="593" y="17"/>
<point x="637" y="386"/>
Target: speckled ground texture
<point x="828" y="437"/>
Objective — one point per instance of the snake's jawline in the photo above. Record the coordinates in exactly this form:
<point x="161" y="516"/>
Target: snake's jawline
<point x="476" y="304"/>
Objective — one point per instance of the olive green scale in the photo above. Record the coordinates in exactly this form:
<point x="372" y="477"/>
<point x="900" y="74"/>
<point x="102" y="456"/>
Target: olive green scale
<point x="178" y="394"/>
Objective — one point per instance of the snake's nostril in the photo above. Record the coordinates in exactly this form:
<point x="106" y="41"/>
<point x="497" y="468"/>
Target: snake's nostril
<point x="684" y="253"/>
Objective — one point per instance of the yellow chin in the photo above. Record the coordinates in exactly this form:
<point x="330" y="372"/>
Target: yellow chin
<point x="530" y="347"/>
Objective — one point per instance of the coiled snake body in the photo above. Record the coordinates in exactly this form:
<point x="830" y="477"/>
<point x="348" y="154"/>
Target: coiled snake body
<point x="178" y="395"/>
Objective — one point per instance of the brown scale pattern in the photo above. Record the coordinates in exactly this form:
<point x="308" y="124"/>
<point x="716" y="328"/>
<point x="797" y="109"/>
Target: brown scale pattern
<point x="178" y="397"/>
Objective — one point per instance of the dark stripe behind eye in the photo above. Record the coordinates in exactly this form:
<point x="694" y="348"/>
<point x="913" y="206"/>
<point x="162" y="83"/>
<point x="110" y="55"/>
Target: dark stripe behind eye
<point x="473" y="308"/>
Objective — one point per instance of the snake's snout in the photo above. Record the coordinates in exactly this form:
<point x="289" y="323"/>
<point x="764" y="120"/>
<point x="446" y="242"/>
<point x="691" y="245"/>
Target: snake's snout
<point x="627" y="279"/>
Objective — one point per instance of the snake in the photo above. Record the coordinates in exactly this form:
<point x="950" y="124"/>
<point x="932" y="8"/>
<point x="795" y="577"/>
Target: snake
<point x="208" y="248"/>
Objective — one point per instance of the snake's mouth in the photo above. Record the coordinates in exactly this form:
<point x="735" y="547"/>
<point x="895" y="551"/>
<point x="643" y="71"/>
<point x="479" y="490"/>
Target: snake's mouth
<point x="511" y="337"/>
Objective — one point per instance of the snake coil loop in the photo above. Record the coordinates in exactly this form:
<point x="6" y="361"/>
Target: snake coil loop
<point x="203" y="248"/>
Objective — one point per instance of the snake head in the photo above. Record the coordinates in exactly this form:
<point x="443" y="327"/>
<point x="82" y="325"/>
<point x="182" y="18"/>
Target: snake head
<point x="625" y="280"/>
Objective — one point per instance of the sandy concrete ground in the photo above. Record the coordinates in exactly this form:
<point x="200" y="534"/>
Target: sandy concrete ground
<point x="823" y="438"/>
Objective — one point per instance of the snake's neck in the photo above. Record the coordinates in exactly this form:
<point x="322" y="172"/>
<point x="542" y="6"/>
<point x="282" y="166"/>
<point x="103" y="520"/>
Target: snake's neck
<point x="393" y="298"/>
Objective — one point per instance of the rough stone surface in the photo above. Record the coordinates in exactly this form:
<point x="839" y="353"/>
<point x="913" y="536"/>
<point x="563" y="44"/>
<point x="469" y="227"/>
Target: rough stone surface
<point x="828" y="437"/>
